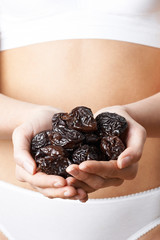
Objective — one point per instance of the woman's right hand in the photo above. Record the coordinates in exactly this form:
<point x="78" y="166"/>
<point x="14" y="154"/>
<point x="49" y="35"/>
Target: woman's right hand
<point x="51" y="186"/>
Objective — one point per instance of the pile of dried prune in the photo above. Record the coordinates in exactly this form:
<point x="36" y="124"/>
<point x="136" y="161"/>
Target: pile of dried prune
<point x="76" y="137"/>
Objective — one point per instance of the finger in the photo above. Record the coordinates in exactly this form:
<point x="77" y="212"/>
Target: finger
<point x="105" y="169"/>
<point x="81" y="195"/>
<point x="40" y="179"/>
<point x="66" y="192"/>
<point x="115" y="182"/>
<point x="71" y="181"/>
<point x="112" y="182"/>
<point x="135" y="143"/>
<point x="109" y="169"/>
<point x="84" y="200"/>
<point x="22" y="154"/>
<point x="91" y="180"/>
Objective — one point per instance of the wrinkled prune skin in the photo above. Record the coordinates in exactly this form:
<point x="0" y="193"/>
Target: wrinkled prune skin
<point x="59" y="120"/>
<point x="67" y="138"/>
<point x="111" y="124"/>
<point x="91" y="138"/>
<point x="81" y="119"/>
<point x="52" y="151"/>
<point x="84" y="153"/>
<point x="52" y="160"/>
<point x="112" y="146"/>
<point x="52" y="165"/>
<point x="40" y="140"/>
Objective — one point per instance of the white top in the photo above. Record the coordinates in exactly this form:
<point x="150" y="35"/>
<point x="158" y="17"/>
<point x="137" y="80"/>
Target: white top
<point x="24" y="22"/>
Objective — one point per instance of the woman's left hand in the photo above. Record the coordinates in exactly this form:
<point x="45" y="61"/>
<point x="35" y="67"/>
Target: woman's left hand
<point x="92" y="175"/>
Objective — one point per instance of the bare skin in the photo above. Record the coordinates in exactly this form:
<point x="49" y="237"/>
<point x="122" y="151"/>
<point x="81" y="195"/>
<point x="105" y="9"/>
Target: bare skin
<point x="2" y="236"/>
<point x="152" y="235"/>
<point x="94" y="73"/>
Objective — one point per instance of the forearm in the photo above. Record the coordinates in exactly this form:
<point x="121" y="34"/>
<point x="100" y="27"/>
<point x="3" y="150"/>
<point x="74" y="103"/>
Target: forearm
<point x="15" y="112"/>
<point x="147" y="113"/>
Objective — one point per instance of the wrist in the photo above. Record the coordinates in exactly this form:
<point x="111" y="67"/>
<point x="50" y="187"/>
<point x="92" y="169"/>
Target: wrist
<point x="133" y="112"/>
<point x="40" y="113"/>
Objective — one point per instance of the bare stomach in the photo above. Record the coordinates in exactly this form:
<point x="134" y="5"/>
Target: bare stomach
<point x="94" y="73"/>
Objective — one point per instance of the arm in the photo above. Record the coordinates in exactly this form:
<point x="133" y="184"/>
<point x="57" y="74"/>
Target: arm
<point x="142" y="117"/>
<point x="99" y="174"/>
<point x="147" y="113"/>
<point x="21" y="121"/>
<point x="13" y="114"/>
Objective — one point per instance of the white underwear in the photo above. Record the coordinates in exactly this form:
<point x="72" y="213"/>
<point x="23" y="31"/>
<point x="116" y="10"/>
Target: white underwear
<point x="28" y="215"/>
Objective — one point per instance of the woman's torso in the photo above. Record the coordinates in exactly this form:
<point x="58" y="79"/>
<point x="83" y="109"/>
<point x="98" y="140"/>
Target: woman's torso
<point x="94" y="73"/>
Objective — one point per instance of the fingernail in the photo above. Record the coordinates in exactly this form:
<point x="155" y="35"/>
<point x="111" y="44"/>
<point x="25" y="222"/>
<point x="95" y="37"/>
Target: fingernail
<point x="67" y="194"/>
<point x="73" y="172"/>
<point x="28" y="167"/>
<point x="125" y="162"/>
<point x="58" y="184"/>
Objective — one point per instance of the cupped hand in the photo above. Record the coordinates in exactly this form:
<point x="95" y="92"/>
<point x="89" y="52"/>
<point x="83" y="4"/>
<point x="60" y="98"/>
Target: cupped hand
<point x="51" y="186"/>
<point x="92" y="175"/>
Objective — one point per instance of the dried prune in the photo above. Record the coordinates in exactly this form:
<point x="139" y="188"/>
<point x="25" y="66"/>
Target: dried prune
<point x="77" y="137"/>
<point x="52" y="151"/>
<point x="52" y="160"/>
<point x="59" y="120"/>
<point x="111" y="124"/>
<point x="53" y="166"/>
<point x="84" y="153"/>
<point x="81" y="119"/>
<point x="41" y="139"/>
<point x="112" y="146"/>
<point x="91" y="138"/>
<point x="67" y="138"/>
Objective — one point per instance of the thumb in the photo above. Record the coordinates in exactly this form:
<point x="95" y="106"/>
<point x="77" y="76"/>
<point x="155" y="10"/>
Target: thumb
<point x="135" y="143"/>
<point x="21" y="144"/>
